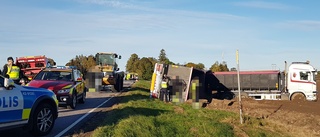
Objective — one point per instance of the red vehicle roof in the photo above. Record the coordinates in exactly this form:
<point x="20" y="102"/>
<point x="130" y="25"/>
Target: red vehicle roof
<point x="31" y="58"/>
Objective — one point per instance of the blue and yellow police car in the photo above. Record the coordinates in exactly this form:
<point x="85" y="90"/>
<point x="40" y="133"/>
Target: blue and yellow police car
<point x="36" y="109"/>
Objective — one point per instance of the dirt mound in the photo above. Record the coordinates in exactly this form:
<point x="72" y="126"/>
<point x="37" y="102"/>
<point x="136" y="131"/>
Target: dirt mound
<point x="298" y="118"/>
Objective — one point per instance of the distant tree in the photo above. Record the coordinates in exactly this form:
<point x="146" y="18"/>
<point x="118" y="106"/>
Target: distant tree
<point x="152" y="60"/>
<point x="197" y="66"/>
<point x="145" y="68"/>
<point x="163" y="57"/>
<point x="200" y="66"/>
<point x="190" y="64"/>
<point x="218" y="67"/>
<point x="233" y="69"/>
<point x="223" y="66"/>
<point x="215" y="67"/>
<point x="171" y="63"/>
<point x="131" y="67"/>
<point x="82" y="63"/>
<point x="90" y="62"/>
<point x="179" y="64"/>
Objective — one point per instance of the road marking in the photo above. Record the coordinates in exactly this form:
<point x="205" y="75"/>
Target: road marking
<point x="80" y="119"/>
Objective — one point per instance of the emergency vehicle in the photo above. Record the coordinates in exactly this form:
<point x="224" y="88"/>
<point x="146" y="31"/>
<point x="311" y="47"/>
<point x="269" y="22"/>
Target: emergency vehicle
<point x="65" y="81"/>
<point x="35" y="109"/>
<point x="32" y="65"/>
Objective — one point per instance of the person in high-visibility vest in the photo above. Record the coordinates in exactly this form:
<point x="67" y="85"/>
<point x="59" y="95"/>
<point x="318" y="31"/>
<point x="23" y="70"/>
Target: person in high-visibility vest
<point x="164" y="93"/>
<point x="12" y="71"/>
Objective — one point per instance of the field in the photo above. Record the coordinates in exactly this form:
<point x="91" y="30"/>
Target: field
<point x="296" y="118"/>
<point x="138" y="115"/>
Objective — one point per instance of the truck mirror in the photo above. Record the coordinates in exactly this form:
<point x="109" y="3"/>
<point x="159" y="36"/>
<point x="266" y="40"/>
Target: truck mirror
<point x="119" y="56"/>
<point x="118" y="69"/>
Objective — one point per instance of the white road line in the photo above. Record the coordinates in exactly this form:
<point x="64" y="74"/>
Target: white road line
<point x="76" y="122"/>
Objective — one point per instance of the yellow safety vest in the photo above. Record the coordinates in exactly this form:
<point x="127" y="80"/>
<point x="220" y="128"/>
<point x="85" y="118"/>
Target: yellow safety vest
<point x="13" y="72"/>
<point x="164" y="84"/>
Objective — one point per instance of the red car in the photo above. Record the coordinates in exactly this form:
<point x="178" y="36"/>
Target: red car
<point x="66" y="82"/>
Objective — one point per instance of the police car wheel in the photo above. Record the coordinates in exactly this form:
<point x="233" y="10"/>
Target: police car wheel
<point x="73" y="102"/>
<point x="43" y="120"/>
<point x="83" y="97"/>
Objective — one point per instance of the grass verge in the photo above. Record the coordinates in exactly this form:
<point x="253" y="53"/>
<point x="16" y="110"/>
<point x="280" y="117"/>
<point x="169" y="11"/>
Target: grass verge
<point x="139" y="115"/>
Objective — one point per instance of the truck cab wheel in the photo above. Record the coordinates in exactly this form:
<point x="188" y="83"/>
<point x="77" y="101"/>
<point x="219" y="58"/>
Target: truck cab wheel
<point x="298" y="97"/>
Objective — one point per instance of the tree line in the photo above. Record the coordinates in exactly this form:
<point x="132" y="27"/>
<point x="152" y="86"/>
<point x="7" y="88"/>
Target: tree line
<point x="143" y="66"/>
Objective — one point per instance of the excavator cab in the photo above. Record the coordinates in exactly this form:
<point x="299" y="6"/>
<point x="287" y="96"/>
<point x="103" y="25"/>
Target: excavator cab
<point x="105" y="72"/>
<point x="107" y="59"/>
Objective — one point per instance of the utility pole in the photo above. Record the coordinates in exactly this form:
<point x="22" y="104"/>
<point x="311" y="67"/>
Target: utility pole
<point x="238" y="73"/>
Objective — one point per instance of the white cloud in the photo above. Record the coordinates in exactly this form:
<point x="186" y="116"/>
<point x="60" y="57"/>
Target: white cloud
<point x="305" y="25"/>
<point x="264" y="5"/>
<point x="112" y="3"/>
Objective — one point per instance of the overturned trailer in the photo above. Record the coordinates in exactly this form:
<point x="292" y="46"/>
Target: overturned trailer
<point x="185" y="83"/>
<point x="180" y="80"/>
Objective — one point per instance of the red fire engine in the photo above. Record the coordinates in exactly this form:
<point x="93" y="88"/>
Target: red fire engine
<point x="32" y="65"/>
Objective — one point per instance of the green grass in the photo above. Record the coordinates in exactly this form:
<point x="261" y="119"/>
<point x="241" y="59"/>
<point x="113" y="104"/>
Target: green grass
<point x="137" y="115"/>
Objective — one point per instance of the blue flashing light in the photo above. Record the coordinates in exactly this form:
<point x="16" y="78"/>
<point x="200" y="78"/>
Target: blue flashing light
<point x="66" y="67"/>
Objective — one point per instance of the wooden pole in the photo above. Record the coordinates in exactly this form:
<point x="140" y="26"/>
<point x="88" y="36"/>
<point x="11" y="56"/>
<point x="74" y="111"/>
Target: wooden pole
<point x="238" y="73"/>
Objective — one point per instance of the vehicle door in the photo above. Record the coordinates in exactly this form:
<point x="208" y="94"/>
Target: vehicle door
<point x="307" y="83"/>
<point x="79" y="81"/>
<point x="11" y="105"/>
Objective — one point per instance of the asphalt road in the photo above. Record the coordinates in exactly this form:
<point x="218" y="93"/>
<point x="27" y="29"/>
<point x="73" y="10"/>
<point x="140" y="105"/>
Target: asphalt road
<point x="69" y="120"/>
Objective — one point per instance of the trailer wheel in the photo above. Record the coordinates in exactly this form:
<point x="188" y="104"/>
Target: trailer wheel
<point x="244" y="95"/>
<point x="298" y="97"/>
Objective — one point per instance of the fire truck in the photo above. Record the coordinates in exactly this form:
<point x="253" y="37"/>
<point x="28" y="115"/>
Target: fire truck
<point x="32" y="65"/>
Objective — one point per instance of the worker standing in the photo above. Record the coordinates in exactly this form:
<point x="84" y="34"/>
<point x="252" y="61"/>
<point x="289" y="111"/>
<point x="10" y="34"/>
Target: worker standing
<point x="12" y="71"/>
<point x="164" y="93"/>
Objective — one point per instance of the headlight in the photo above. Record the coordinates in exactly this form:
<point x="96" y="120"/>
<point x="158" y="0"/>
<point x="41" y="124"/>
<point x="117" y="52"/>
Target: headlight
<point x="108" y="75"/>
<point x="64" y="91"/>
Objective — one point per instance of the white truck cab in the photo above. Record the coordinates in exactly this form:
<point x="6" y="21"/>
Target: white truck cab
<point x="301" y="81"/>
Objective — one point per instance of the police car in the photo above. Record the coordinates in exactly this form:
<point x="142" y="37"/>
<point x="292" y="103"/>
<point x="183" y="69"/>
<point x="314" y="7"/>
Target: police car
<point x="36" y="109"/>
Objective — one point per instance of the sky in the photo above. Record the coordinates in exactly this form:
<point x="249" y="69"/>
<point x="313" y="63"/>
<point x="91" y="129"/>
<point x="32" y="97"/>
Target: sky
<point x="266" y="32"/>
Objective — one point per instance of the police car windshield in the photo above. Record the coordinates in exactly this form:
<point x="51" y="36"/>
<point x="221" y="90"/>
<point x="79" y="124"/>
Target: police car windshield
<point x="54" y="75"/>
